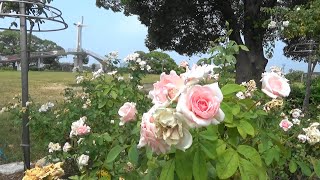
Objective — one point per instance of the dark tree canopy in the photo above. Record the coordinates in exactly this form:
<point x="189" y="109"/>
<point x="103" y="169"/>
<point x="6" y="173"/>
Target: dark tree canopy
<point x="188" y="26"/>
<point x="10" y="44"/>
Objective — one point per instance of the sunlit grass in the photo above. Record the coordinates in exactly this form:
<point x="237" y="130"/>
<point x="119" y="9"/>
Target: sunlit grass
<point x="43" y="87"/>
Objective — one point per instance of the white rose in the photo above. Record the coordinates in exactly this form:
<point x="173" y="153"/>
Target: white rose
<point x="285" y="23"/>
<point x="66" y="147"/>
<point x="83" y="160"/>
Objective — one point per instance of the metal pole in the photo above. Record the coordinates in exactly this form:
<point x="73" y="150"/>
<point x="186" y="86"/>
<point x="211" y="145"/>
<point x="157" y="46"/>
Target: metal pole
<point x="24" y="84"/>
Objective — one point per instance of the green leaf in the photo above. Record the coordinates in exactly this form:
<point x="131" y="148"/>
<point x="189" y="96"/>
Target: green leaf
<point x="200" y="169"/>
<point x="183" y="169"/>
<point x="246" y="127"/>
<point x="228" y="112"/>
<point x="305" y="169"/>
<point x="209" y="134"/>
<point x="250" y="153"/>
<point x="244" y="47"/>
<point x="106" y="137"/>
<point x="167" y="172"/>
<point x="221" y="147"/>
<point x="270" y="155"/>
<point x="232" y="88"/>
<point x="113" y="153"/>
<point x="227" y="164"/>
<point x="114" y="94"/>
<point x="316" y="167"/>
<point x="133" y="154"/>
<point x="292" y="166"/>
<point x="102" y="104"/>
<point x="235" y="109"/>
<point x="209" y="149"/>
<point x="247" y="170"/>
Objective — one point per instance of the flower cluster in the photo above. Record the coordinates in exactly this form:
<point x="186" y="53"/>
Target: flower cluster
<point x="52" y="171"/>
<point x="180" y="103"/>
<point x="251" y="87"/>
<point x="54" y="147"/>
<point x="80" y="79"/>
<point x="134" y="58"/>
<point x="286" y="124"/>
<point x="46" y="107"/>
<point x="79" y="128"/>
<point x="312" y="134"/>
<point x="97" y="74"/>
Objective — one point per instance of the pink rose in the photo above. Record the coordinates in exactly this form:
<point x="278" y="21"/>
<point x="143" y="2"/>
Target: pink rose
<point x="83" y="130"/>
<point x="127" y="112"/>
<point x="285" y="124"/>
<point x="148" y="135"/>
<point x="184" y="64"/>
<point x="275" y="85"/>
<point x="201" y="105"/>
<point x="167" y="88"/>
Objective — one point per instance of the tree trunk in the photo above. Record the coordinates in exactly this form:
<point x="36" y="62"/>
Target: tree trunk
<point x="311" y="67"/>
<point x="250" y="65"/>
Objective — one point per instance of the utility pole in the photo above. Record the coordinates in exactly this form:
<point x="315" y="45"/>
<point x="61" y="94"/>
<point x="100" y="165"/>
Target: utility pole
<point x="25" y="90"/>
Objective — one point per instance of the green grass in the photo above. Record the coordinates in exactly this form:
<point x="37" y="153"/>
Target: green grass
<point x="43" y="87"/>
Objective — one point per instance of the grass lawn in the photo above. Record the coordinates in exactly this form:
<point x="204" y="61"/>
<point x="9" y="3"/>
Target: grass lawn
<point x="43" y="87"/>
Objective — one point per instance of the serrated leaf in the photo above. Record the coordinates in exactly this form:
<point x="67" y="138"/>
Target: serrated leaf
<point x="316" y="167"/>
<point x="231" y="88"/>
<point x="209" y="135"/>
<point x="305" y="169"/>
<point x="250" y="153"/>
<point x="235" y="109"/>
<point x="107" y="137"/>
<point x="209" y="149"/>
<point x="114" y="94"/>
<point x="102" y="104"/>
<point x="292" y="166"/>
<point x="167" y="172"/>
<point x="113" y="153"/>
<point x="246" y="127"/>
<point x="200" y="169"/>
<point x="221" y="147"/>
<point x="133" y="154"/>
<point x="228" y="112"/>
<point x="227" y="164"/>
<point x="247" y="170"/>
<point x="183" y="169"/>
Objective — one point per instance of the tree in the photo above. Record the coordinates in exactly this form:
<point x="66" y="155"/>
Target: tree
<point x="301" y="32"/>
<point x="10" y="45"/>
<point x="188" y="26"/>
<point x="159" y="61"/>
<point x="93" y="67"/>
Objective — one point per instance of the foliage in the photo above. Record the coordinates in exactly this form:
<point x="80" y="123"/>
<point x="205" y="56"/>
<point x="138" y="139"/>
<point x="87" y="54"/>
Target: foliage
<point x="188" y="27"/>
<point x="10" y="45"/>
<point x="295" y="99"/>
<point x="294" y="75"/>
<point x="244" y="141"/>
<point x="159" y="61"/>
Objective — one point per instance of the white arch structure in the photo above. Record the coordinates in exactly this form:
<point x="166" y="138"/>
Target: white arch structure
<point x="17" y="58"/>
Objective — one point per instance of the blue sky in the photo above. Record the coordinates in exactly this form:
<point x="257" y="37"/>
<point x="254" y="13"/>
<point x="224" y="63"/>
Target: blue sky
<point x="107" y="31"/>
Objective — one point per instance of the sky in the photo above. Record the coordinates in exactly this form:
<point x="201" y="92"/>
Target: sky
<point x="107" y="31"/>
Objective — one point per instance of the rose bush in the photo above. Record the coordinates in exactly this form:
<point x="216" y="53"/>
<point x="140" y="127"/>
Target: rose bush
<point x="189" y="126"/>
